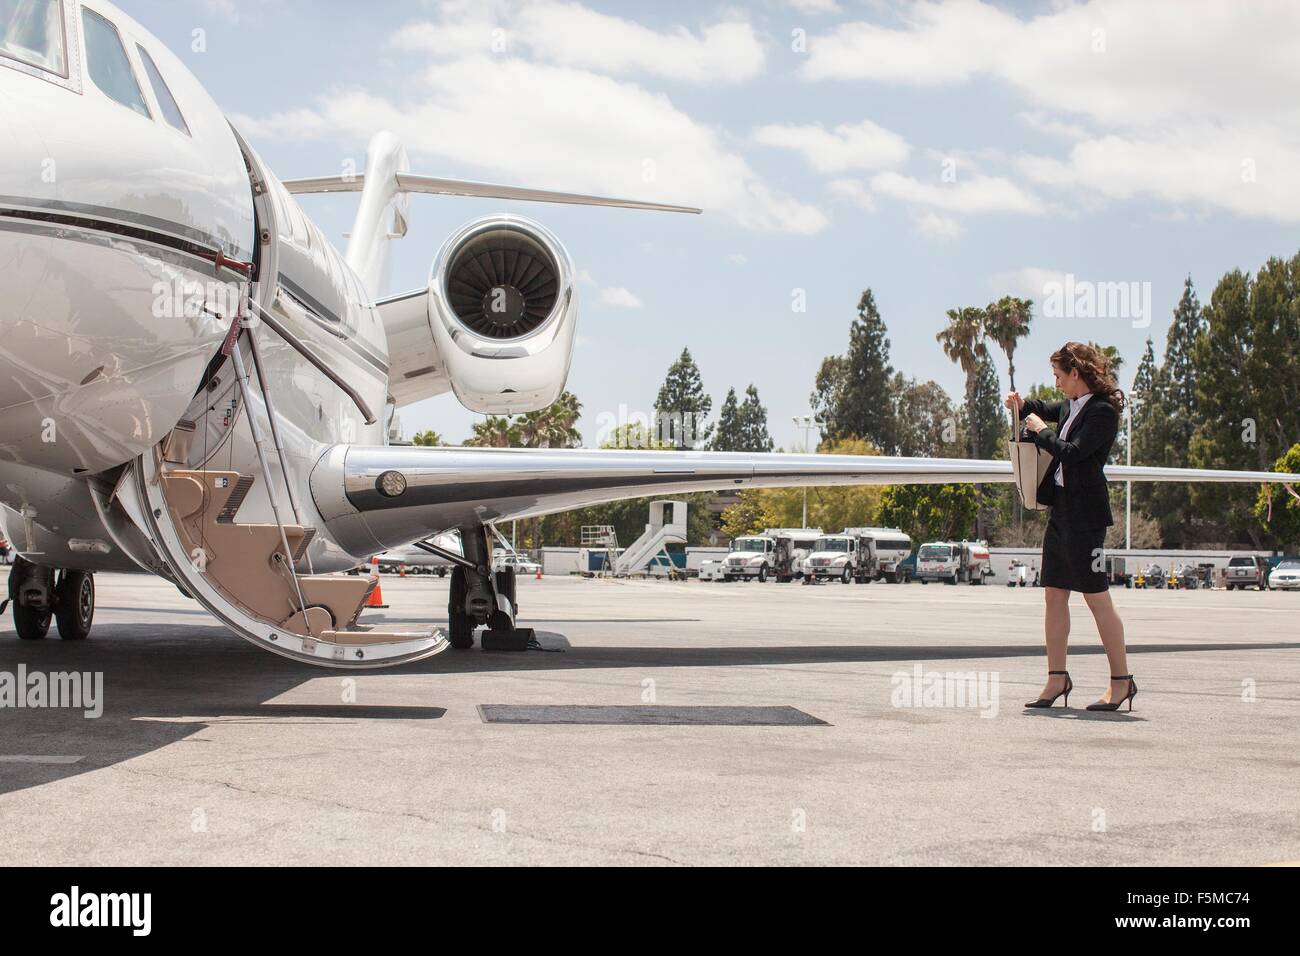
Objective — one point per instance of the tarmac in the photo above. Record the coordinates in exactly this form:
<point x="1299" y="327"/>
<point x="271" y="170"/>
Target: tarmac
<point x="673" y="723"/>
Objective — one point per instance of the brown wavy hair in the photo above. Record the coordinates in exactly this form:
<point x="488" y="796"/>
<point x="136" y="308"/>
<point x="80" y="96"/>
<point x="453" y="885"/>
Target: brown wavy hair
<point x="1094" y="369"/>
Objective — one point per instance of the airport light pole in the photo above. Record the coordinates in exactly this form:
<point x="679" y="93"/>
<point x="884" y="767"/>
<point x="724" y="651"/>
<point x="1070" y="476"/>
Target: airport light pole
<point x="807" y="423"/>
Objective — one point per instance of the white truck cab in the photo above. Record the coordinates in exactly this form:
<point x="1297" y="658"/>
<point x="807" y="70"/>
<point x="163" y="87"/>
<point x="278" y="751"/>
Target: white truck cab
<point x="752" y="556"/>
<point x="837" y="556"/>
<point x="953" y="561"/>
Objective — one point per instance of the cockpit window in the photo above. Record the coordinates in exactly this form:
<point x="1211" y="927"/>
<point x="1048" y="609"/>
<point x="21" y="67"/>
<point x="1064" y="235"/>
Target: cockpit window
<point x="171" y="112"/>
<point x="31" y="32"/>
<point x="108" y="64"/>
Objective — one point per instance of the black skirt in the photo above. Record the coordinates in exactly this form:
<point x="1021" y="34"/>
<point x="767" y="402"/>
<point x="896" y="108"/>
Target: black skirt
<point x="1073" y="558"/>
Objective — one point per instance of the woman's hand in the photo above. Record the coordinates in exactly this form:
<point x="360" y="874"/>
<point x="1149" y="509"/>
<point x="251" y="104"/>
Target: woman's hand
<point x="1014" y="402"/>
<point x="1034" y="424"/>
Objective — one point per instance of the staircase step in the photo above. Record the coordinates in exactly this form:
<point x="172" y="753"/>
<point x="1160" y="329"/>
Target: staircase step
<point x="242" y="487"/>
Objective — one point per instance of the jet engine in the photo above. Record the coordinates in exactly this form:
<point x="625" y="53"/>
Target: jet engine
<point x="503" y="308"/>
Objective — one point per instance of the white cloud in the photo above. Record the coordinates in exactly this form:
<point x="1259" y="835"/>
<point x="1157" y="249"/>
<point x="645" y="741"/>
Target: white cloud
<point x="968" y="195"/>
<point x="939" y="228"/>
<point x="852" y="190"/>
<point x="226" y="9"/>
<point x="1053" y="127"/>
<point x="737" y="258"/>
<point x="619" y="298"/>
<point x="1246" y="170"/>
<point x="569" y="34"/>
<point x="469" y="111"/>
<point x="813" y="6"/>
<point x="1190" y="102"/>
<point x="1029" y="282"/>
<point x="848" y="146"/>
<point x="559" y="128"/>
<point x="1114" y="60"/>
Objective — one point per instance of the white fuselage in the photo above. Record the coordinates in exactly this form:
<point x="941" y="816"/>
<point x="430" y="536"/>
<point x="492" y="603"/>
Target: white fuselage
<point x="112" y="304"/>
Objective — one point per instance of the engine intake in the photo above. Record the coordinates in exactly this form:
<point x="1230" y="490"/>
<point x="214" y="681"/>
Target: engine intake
<point x="503" y="311"/>
<point x="502" y="284"/>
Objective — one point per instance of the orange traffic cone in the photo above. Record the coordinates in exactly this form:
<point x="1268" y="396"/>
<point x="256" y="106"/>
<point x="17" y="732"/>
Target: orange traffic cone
<point x="401" y="570"/>
<point x="539" y="572"/>
<point x="376" y="598"/>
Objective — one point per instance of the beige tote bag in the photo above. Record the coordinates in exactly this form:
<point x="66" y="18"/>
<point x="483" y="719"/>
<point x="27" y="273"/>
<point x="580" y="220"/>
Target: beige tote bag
<point x="1029" y="465"/>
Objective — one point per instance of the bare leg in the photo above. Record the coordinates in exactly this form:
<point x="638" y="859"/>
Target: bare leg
<point x="1056" y="632"/>
<point x="1111" y="629"/>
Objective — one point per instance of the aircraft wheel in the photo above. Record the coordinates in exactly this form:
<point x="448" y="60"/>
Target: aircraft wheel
<point x="74" y="603"/>
<point x="505" y="585"/>
<point x="31" y="623"/>
<point x="459" y="626"/>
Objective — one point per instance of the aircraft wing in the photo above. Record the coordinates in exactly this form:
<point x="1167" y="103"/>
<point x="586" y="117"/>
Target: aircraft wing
<point x="443" y="488"/>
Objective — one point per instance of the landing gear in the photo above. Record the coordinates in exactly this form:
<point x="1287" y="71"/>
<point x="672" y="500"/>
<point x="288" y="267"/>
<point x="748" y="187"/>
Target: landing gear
<point x="480" y="596"/>
<point x="459" y="624"/>
<point x="41" y="595"/>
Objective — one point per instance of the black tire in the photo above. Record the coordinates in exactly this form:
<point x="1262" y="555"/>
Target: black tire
<point x="460" y="629"/>
<point x="846" y="576"/>
<point x="762" y="574"/>
<point x="31" y="623"/>
<point x="74" y="605"/>
<point x="504" y="581"/>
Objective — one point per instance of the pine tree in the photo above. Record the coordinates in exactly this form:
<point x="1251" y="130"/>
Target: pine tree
<point x="1162" y="432"/>
<point x="683" y="406"/>
<point x="753" y="423"/>
<point x="730" y="433"/>
<point x="854" y="392"/>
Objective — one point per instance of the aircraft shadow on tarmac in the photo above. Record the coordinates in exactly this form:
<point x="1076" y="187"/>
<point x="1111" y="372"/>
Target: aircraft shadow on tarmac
<point x="165" y="683"/>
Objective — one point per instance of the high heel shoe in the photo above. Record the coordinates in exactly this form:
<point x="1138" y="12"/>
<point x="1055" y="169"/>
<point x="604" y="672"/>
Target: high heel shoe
<point x="1114" y="705"/>
<point x="1049" y="701"/>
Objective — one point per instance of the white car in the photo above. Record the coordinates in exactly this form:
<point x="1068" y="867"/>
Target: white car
<point x="522" y="565"/>
<point x="1285" y="577"/>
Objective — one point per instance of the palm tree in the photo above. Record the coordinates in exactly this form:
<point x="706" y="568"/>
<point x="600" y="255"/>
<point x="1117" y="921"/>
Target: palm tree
<point x="494" y="432"/>
<point x="428" y="438"/>
<point x="554" y="426"/>
<point x="963" y="343"/>
<point x="1006" y="322"/>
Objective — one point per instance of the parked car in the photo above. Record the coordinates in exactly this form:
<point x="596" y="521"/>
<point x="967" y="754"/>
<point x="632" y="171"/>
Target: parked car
<point x="1246" y="571"/>
<point x="1285" y="577"/>
<point x="522" y="565"/>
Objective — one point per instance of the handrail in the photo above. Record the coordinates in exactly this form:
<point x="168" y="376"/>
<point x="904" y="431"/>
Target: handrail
<point x="317" y="361"/>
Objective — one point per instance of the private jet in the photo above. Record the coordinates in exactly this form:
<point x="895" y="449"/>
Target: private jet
<point x="196" y="384"/>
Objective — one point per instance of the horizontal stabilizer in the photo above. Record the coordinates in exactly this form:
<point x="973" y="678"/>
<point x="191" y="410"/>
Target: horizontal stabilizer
<point x="410" y="183"/>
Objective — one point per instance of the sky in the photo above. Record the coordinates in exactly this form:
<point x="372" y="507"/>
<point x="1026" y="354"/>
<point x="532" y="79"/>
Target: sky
<point x="1088" y="156"/>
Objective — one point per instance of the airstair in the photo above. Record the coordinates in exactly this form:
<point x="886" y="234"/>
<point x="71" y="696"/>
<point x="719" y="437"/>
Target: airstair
<point x="253" y="575"/>
<point x="667" y="526"/>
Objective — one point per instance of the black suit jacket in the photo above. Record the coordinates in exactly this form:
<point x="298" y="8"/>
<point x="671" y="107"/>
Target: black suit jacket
<point x="1082" y="456"/>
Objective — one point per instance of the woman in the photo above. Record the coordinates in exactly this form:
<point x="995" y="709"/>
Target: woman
<point x="1075" y="487"/>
